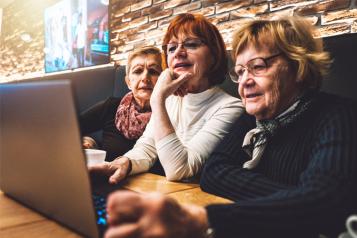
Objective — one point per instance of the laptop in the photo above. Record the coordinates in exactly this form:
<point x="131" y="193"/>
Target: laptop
<point x="42" y="163"/>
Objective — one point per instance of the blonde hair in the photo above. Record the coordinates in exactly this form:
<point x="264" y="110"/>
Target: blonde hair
<point x="146" y="50"/>
<point x="293" y="36"/>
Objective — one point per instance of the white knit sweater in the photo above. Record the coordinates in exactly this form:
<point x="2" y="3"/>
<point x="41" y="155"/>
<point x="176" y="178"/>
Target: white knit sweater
<point x="200" y="121"/>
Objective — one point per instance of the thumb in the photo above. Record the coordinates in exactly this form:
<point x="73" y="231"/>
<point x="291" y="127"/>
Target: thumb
<point x="118" y="175"/>
<point x="182" y="79"/>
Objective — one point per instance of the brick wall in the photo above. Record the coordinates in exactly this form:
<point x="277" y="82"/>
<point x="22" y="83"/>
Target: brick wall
<point x="143" y="22"/>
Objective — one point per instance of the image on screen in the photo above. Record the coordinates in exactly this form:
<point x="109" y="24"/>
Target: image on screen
<point x="76" y="34"/>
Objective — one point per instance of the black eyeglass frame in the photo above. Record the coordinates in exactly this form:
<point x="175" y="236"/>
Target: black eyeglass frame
<point x="236" y="79"/>
<point x="199" y="41"/>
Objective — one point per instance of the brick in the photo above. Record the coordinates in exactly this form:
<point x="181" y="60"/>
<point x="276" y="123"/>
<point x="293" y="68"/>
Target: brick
<point x="130" y="16"/>
<point x="277" y="14"/>
<point x="175" y="3"/>
<point x="339" y="16"/>
<point x="278" y="5"/>
<point x="154" y="34"/>
<point x="160" y="15"/>
<point x="208" y="3"/>
<point x="158" y="1"/>
<point x="323" y="6"/>
<point x="124" y="47"/>
<point x="132" y="24"/>
<point x="187" y="8"/>
<point x="229" y="6"/>
<point x="354" y="27"/>
<point x="312" y="19"/>
<point x="121" y="11"/>
<point x="141" y="4"/>
<point x="135" y="38"/>
<point x="332" y="30"/>
<point x="121" y="27"/>
<point x="250" y="11"/>
<point x="219" y="18"/>
<point x="153" y="9"/>
<point x="207" y="11"/>
<point x="231" y="26"/>
<point x="147" y="27"/>
<point x="165" y="22"/>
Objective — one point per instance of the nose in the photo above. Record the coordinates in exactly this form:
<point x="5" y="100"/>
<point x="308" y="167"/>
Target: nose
<point x="245" y="77"/>
<point x="145" y="76"/>
<point x="180" y="51"/>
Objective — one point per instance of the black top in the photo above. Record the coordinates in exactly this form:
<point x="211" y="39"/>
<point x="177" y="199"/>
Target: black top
<point x="101" y="116"/>
<point x="305" y="183"/>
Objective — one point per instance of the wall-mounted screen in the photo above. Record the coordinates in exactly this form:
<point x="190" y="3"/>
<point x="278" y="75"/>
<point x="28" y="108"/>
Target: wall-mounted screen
<point x="76" y="34"/>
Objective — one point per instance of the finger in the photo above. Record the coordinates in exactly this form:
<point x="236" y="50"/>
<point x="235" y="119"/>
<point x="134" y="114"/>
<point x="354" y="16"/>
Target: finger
<point x="118" y="175"/>
<point x="124" y="207"/>
<point x="123" y="231"/>
<point x="102" y="168"/>
<point x="182" y="79"/>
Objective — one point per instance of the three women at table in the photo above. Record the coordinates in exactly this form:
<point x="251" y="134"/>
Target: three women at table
<point x="123" y="120"/>
<point x="290" y="165"/>
<point x="190" y="114"/>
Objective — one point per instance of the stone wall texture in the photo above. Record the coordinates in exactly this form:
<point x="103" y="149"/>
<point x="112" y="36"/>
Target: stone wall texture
<point x="134" y="23"/>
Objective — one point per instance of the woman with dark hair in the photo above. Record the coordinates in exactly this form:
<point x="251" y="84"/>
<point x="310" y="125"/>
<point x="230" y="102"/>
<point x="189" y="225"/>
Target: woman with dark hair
<point x="190" y="114"/>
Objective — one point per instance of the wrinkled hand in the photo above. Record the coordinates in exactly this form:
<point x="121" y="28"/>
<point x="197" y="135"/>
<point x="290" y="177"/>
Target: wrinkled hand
<point x="116" y="170"/>
<point x="152" y="215"/>
<point x="168" y="84"/>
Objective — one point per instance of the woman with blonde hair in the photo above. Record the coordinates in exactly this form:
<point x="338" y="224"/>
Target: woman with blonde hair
<point x="123" y="120"/>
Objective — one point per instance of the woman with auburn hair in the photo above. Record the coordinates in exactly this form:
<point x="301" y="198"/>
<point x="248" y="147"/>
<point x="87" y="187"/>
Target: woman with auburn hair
<point x="290" y="166"/>
<point x="190" y="114"/>
<point x="123" y="120"/>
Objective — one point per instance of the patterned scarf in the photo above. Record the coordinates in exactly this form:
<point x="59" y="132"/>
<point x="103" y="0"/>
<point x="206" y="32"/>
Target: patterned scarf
<point x="255" y="140"/>
<point x="130" y="119"/>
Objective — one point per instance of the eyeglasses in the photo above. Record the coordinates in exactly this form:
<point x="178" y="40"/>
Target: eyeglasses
<point x="257" y="66"/>
<point x="188" y="45"/>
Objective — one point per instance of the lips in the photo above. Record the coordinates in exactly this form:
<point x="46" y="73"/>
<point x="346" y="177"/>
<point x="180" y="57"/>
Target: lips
<point x="252" y="95"/>
<point x="146" y="88"/>
<point x="182" y="65"/>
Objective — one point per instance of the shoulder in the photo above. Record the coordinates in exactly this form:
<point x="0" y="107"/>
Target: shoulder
<point x="223" y="99"/>
<point x="332" y="112"/>
<point x="327" y="103"/>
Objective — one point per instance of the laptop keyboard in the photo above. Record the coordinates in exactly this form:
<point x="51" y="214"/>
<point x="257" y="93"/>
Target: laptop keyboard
<point x="100" y="208"/>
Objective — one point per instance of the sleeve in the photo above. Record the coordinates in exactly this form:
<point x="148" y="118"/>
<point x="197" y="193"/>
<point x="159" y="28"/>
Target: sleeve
<point x="94" y="118"/>
<point x="143" y="155"/>
<point x="324" y="197"/>
<point x="183" y="160"/>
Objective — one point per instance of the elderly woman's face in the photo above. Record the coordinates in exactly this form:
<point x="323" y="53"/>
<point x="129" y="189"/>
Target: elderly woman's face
<point x="266" y="95"/>
<point x="190" y="54"/>
<point x="142" y="77"/>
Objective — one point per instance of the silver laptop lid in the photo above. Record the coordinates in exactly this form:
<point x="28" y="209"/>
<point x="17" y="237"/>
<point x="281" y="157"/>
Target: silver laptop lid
<point x="42" y="164"/>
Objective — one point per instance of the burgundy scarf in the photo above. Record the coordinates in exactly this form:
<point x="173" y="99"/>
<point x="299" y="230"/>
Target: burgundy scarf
<point x="130" y="119"/>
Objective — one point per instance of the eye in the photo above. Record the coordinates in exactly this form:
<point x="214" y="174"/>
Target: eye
<point x="171" y="48"/>
<point x="154" y="72"/>
<point x="240" y="71"/>
<point x="191" y="44"/>
<point x="137" y="71"/>
<point x="257" y="65"/>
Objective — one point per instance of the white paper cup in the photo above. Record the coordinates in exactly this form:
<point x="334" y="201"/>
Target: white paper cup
<point x="95" y="156"/>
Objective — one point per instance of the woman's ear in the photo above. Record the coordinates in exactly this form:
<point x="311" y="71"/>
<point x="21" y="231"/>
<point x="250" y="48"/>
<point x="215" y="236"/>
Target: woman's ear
<point x="127" y="81"/>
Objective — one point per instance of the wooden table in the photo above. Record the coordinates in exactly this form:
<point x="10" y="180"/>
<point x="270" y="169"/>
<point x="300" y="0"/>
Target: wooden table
<point x="17" y="220"/>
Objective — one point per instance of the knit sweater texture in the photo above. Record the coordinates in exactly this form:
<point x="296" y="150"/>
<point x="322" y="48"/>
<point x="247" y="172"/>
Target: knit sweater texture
<point x="305" y="183"/>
